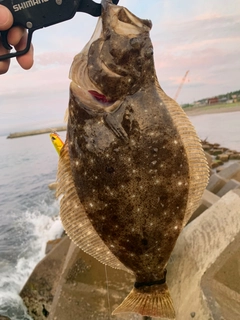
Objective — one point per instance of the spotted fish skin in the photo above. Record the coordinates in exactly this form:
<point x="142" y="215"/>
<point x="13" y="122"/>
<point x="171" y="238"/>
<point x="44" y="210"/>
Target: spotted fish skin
<point x="134" y="190"/>
<point x="134" y="164"/>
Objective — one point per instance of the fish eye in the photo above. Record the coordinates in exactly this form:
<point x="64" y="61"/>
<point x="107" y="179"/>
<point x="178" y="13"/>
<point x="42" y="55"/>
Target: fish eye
<point x="53" y="138"/>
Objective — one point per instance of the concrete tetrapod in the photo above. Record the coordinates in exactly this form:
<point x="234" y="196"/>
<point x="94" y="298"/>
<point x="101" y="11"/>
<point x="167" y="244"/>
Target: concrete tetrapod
<point x="202" y="243"/>
<point x="203" y="273"/>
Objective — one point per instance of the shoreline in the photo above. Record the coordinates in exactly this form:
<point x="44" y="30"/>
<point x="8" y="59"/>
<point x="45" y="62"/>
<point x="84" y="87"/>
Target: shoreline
<point x="197" y="111"/>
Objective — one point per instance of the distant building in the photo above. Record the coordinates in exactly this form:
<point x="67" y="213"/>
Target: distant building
<point x="224" y="99"/>
<point x="196" y="103"/>
<point x="212" y="100"/>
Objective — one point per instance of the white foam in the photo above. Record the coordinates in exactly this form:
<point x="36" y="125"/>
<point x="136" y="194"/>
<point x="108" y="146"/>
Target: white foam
<point x="41" y="227"/>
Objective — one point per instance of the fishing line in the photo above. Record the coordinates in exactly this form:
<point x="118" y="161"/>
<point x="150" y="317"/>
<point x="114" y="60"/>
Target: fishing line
<point x="109" y="307"/>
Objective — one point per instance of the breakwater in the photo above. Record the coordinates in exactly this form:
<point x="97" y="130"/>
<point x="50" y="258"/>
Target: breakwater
<point x="35" y="132"/>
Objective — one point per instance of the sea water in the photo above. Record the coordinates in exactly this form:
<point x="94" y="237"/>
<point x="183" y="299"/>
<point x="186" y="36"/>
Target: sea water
<point x="222" y="128"/>
<point x="28" y="214"/>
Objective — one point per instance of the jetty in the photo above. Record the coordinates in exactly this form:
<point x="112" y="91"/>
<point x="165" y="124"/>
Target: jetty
<point x="36" y="132"/>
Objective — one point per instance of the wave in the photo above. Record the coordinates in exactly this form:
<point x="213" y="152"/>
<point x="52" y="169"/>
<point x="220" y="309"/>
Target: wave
<point x="34" y="229"/>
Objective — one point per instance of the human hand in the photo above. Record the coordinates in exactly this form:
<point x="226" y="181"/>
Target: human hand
<point x="17" y="37"/>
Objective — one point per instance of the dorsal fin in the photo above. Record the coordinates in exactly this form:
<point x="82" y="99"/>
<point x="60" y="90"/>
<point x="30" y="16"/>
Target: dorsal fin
<point x="198" y="166"/>
<point x="74" y="218"/>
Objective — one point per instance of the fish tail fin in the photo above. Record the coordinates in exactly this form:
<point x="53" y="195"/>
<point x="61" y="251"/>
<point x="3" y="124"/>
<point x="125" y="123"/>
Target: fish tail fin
<point x="152" y="301"/>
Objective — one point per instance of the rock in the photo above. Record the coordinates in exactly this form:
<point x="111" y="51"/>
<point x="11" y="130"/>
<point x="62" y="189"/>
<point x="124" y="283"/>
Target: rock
<point x="4" y="318"/>
<point x="235" y="156"/>
<point x="216" y="163"/>
<point x="215" y="151"/>
<point x="52" y="186"/>
<point x="222" y="157"/>
<point x="206" y="147"/>
<point x="40" y="288"/>
<point x="228" y="152"/>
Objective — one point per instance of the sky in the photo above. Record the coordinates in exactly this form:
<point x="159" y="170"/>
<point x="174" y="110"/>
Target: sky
<point x="201" y="36"/>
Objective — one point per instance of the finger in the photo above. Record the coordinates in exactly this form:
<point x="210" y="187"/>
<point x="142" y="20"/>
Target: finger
<point x="15" y="35"/>
<point x="25" y="61"/>
<point x="4" y="65"/>
<point x="6" y="18"/>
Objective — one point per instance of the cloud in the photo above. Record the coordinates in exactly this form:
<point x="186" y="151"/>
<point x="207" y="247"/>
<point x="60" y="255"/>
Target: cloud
<point x="53" y="59"/>
<point x="206" y="45"/>
<point x="202" y="37"/>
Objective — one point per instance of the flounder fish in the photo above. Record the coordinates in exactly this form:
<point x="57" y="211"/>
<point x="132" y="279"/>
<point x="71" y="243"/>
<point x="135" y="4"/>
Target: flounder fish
<point x="132" y="170"/>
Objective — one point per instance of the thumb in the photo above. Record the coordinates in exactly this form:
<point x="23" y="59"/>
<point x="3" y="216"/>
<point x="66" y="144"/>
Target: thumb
<point x="6" y="18"/>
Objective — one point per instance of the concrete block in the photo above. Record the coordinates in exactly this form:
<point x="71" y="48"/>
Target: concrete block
<point x="197" y="212"/>
<point x="222" y="157"/>
<point x="88" y="290"/>
<point x="216" y="151"/>
<point x="82" y="288"/>
<point x="51" y="244"/>
<point x="235" y="156"/>
<point x="220" y="168"/>
<point x="216" y="182"/>
<point x="206" y="147"/>
<point x="216" y="163"/>
<point x="230" y="185"/>
<point x="207" y="200"/>
<point x="199" y="246"/>
<point x="230" y="171"/>
<point x="221" y="283"/>
<point x="237" y="176"/>
<point x="39" y="290"/>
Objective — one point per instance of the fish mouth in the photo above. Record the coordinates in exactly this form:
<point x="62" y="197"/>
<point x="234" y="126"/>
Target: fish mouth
<point x="86" y="92"/>
<point x="112" y="64"/>
<point x="99" y="97"/>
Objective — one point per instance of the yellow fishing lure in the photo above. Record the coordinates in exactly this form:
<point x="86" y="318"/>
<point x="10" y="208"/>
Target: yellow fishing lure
<point x="57" y="142"/>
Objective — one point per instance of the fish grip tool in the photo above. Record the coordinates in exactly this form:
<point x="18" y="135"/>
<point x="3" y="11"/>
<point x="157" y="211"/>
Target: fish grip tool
<point x="36" y="14"/>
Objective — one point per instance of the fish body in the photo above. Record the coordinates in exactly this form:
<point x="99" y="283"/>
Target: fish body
<point x="132" y="170"/>
<point x="56" y="141"/>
